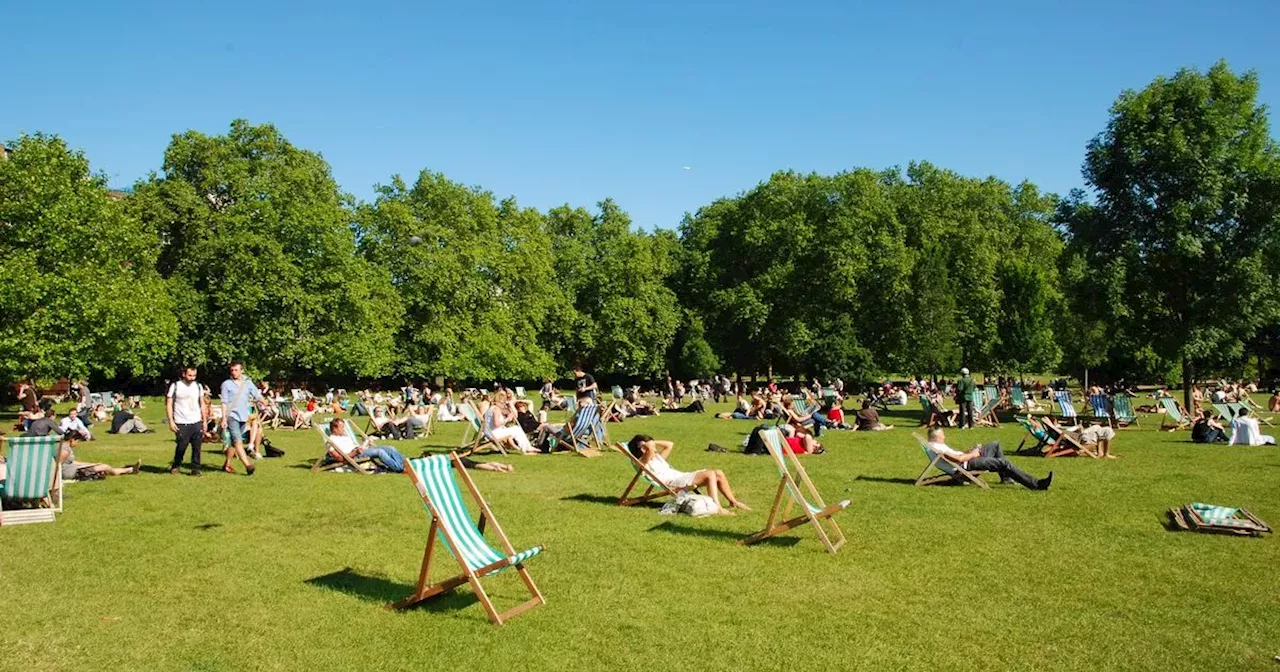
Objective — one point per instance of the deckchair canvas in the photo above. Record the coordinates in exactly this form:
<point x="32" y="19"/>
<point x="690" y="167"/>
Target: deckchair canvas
<point x="1237" y="407"/>
<point x="32" y="476"/>
<point x="948" y="471"/>
<point x="1019" y="399"/>
<point x="582" y="432"/>
<point x="1100" y="408"/>
<point x="1066" y="408"/>
<point x="474" y="434"/>
<point x="1122" y="410"/>
<point x="436" y="480"/>
<point x="657" y="489"/>
<point x="1173" y="417"/>
<point x="985" y="414"/>
<point x="322" y="463"/>
<point x="814" y="511"/>
<point x="1061" y="442"/>
<point x="1041" y="436"/>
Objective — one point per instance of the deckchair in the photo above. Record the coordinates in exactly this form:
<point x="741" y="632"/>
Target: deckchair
<point x="322" y="463"/>
<point x="1066" y="409"/>
<point x="32" y="475"/>
<point x="519" y="392"/>
<point x="436" y="479"/>
<point x="1236" y="408"/>
<point x="1173" y="417"/>
<point x="1040" y="435"/>
<point x="571" y="405"/>
<point x="1101" y="409"/>
<point x="814" y="511"/>
<point x="992" y="393"/>
<point x="949" y="471"/>
<point x="985" y="414"/>
<point x="582" y="431"/>
<point x="617" y="391"/>
<point x="932" y="414"/>
<point x="1224" y="411"/>
<point x="474" y="434"/>
<point x="285" y="414"/>
<point x="656" y="489"/>
<point x="1061" y="442"/>
<point x="1122" y="411"/>
<point x="1202" y="517"/>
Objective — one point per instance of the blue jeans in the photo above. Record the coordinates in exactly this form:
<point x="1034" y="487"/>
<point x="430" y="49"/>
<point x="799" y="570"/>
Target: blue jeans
<point x="739" y="415"/>
<point x="386" y="455"/>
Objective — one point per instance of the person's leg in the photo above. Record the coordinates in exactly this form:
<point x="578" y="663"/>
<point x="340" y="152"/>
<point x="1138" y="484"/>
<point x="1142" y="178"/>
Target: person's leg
<point x="388" y="457"/>
<point x="181" y="439"/>
<point x="1006" y="469"/>
<point x="992" y="449"/>
<point x="139" y="427"/>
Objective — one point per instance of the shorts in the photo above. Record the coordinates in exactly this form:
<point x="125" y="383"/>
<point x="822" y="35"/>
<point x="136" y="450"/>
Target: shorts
<point x="1094" y="433"/>
<point x="236" y="429"/>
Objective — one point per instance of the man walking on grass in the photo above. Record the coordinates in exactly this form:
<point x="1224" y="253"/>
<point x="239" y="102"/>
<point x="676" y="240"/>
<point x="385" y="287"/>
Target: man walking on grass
<point x="964" y="397"/>
<point x="186" y="419"/>
<point x="236" y="394"/>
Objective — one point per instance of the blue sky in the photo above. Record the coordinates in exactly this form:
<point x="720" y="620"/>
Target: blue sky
<point x="570" y="102"/>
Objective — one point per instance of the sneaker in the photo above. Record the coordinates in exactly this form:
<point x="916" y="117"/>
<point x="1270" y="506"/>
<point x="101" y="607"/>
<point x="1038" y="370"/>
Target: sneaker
<point x="197" y="471"/>
<point x="1045" y="482"/>
<point x="250" y="469"/>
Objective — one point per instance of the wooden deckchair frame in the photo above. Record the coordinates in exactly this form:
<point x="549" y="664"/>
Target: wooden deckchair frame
<point x="1167" y="421"/>
<point x="832" y="539"/>
<point x="357" y="463"/>
<point x="986" y="414"/>
<point x="425" y="591"/>
<point x="955" y="475"/>
<point x="656" y="490"/>
<point x="1060" y="436"/>
<point x="51" y="502"/>
<point x="473" y="435"/>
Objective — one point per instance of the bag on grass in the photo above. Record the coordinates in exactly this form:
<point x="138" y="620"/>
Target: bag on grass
<point x="690" y="504"/>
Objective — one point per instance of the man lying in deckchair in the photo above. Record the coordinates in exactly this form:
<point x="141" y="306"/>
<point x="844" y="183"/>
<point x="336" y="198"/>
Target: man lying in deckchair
<point x="342" y="445"/>
<point x="986" y="457"/>
<point x="653" y="455"/>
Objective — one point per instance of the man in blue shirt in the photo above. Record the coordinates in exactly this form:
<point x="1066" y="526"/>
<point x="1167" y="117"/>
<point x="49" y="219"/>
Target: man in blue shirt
<point x="236" y="394"/>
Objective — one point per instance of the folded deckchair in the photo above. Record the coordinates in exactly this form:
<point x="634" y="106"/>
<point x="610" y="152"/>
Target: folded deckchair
<point x="436" y="479"/>
<point x="1066" y="409"/>
<point x="583" y="432"/>
<point x="1202" y="517"/>
<point x="1173" y="417"/>
<point x="814" y="511"/>
<point x="323" y="463"/>
<point x="949" y="471"/>
<point x="32" y="476"/>
<point x="656" y="489"/>
<point x="1100" y="408"/>
<point x="1122" y="410"/>
<point x="475" y="435"/>
<point x="1063" y="443"/>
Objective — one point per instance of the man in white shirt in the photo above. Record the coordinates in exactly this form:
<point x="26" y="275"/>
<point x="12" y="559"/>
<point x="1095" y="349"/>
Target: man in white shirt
<point x="986" y="457"/>
<point x="72" y="427"/>
<point x="342" y="443"/>
<point x="1244" y="431"/>
<point x="184" y="407"/>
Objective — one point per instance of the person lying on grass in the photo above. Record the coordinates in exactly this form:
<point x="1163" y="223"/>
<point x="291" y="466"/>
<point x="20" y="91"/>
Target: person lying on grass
<point x="339" y="444"/>
<point x="986" y="457"/>
<point x="801" y="443"/>
<point x="73" y="470"/>
<point x="745" y="410"/>
<point x="653" y="455"/>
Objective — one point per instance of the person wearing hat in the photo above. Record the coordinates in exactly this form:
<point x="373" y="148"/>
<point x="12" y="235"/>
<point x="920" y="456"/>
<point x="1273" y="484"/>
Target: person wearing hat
<point x="964" y="398"/>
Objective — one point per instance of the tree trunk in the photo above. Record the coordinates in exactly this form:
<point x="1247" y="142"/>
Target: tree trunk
<point x="1186" y="384"/>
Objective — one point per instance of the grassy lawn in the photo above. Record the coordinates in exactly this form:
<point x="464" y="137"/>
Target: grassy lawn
<point x="289" y="570"/>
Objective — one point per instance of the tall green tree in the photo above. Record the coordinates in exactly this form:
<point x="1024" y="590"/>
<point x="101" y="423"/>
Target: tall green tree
<point x="259" y="248"/>
<point x="1184" y="175"/>
<point x="78" y="283"/>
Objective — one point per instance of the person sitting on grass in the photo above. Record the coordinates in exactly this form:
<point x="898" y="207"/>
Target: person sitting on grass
<point x="1245" y="431"/>
<point x="742" y="411"/>
<point x="1208" y="430"/>
<point x="833" y="408"/>
<point x="811" y="422"/>
<point x="339" y="443"/>
<point x="868" y="419"/>
<point x="126" y="421"/>
<point x="638" y="405"/>
<point x="653" y="455"/>
<point x="73" y="470"/>
<point x="986" y="457"/>
<point x="72" y="427"/>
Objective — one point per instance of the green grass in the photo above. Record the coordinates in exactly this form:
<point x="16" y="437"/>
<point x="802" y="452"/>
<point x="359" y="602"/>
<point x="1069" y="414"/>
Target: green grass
<point x="289" y="570"/>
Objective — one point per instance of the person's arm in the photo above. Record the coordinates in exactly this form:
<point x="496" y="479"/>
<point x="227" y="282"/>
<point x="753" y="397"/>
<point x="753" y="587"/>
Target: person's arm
<point x="665" y="446"/>
<point x="168" y="410"/>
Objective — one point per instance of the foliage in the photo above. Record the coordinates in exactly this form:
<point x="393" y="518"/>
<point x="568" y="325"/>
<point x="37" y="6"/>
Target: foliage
<point x="78" y="283"/>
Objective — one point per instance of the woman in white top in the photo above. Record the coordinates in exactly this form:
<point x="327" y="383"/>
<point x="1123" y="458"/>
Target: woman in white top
<point x="653" y="455"/>
<point x="500" y="412"/>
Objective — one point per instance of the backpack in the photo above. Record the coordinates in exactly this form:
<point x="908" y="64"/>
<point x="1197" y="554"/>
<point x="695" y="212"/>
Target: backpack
<point x="755" y="444"/>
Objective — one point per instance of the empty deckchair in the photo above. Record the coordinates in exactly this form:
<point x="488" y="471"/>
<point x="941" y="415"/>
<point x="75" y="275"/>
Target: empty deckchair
<point x="656" y="487"/>
<point x="1237" y="407"/>
<point x="1122" y="411"/>
<point x="1100" y="408"/>
<point x="1173" y="417"/>
<point x="1018" y="399"/>
<point x="1061" y="442"/>
<point x="32" y="477"/>
<point x="324" y="463"/>
<point x="519" y="392"/>
<point x="992" y="393"/>
<point x="1066" y="409"/>
<point x="582" y="432"/>
<point x="436" y="479"/>
<point x="1224" y="411"/>
<point x="475" y="435"/>
<point x="949" y="472"/>
<point x="813" y="510"/>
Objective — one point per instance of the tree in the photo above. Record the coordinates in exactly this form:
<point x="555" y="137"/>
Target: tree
<point x="78" y="282"/>
<point x="1184" y="175"/>
<point x="259" y="248"/>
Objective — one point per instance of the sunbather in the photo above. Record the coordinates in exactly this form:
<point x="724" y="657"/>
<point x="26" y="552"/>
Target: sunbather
<point x="800" y="443"/>
<point x="1245" y="431"/>
<point x="388" y="428"/>
<point x="1208" y="430"/>
<point x="653" y="454"/>
<point x="340" y="443"/>
<point x="1273" y="404"/>
<point x="986" y="457"/>
<point x="496" y="417"/>
<point x="73" y="470"/>
<point x="868" y="419"/>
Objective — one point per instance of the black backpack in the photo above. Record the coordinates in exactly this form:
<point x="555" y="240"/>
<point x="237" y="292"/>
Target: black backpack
<point x="755" y="444"/>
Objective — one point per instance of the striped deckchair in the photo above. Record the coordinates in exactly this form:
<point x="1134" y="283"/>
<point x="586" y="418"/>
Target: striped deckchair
<point x="436" y="479"/>
<point x="1122" y="411"/>
<point x="571" y="405"/>
<point x="1237" y="407"/>
<point x="324" y="463"/>
<point x="813" y="510"/>
<point x="1224" y="411"/>
<point x="992" y="393"/>
<point x="929" y="414"/>
<point x="985" y="413"/>
<point x="656" y="489"/>
<point x="950" y="472"/>
<point x="584" y="432"/>
<point x="474" y="434"/>
<point x="285" y="414"/>
<point x="1173" y="417"/>
<point x="1018" y="399"/>
<point x="1101" y="409"/>
<point x="32" y="476"/>
<point x="1033" y="432"/>
<point x="1202" y="517"/>
<point x="1066" y="409"/>
<point x="1061" y="442"/>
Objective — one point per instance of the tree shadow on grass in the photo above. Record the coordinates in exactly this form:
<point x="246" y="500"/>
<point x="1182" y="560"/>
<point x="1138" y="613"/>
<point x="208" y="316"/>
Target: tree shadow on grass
<point x="596" y="499"/>
<point x="384" y="591"/>
<point x="886" y="479"/>
<point x="719" y="535"/>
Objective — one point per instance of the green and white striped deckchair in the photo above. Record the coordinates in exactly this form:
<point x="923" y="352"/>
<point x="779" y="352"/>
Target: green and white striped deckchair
<point x="1122" y="410"/>
<point x="325" y="463"/>
<point x="571" y="404"/>
<point x="1173" y="417"/>
<point x="1210" y="518"/>
<point x="32" y="476"/>
<point x="991" y="392"/>
<point x="656" y="487"/>
<point x="1019" y="399"/>
<point x="814" y="511"/>
<point x="949" y="471"/>
<point x="1224" y="411"/>
<point x="1237" y="407"/>
<point x="436" y="480"/>
<point x="285" y="414"/>
<point x="985" y="413"/>
<point x="474" y="434"/>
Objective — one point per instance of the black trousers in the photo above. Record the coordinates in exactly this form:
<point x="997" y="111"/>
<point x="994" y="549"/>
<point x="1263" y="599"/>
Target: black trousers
<point x="992" y="459"/>
<point x="966" y="413"/>
<point x="188" y="435"/>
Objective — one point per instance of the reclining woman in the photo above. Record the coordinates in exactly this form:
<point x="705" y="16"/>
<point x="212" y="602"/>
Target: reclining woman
<point x="501" y="411"/>
<point x="340" y="443"/>
<point x="653" y="455"/>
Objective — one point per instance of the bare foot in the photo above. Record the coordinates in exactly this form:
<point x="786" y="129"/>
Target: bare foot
<point x="740" y="505"/>
<point x="1110" y="456"/>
